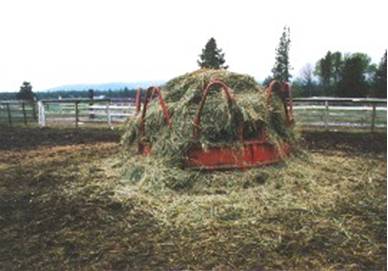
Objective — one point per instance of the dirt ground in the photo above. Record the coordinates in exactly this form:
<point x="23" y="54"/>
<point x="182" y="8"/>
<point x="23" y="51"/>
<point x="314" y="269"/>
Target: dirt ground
<point x="63" y="206"/>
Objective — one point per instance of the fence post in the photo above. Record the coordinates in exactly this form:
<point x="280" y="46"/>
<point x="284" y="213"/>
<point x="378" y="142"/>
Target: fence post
<point x="9" y="115"/>
<point x="41" y="115"/>
<point x="108" y="115"/>
<point x="327" y="115"/>
<point x="373" y="118"/>
<point x="34" y="110"/>
<point x="76" y="115"/>
<point x="91" y="110"/>
<point x="24" y="113"/>
<point x="138" y="101"/>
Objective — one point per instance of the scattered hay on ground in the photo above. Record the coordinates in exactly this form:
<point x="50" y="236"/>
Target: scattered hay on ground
<point x="324" y="209"/>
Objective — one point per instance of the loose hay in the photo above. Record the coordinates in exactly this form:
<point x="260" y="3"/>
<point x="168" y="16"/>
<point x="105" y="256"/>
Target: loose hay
<point x="308" y="213"/>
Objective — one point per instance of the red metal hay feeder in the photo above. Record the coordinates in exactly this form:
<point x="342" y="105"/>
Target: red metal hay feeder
<point x="252" y="153"/>
<point x="145" y="147"/>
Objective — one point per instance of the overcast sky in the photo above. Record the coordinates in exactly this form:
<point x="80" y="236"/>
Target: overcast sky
<point x="57" y="42"/>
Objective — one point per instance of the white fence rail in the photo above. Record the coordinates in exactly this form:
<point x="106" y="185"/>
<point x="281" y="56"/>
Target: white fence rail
<point x="331" y="113"/>
<point x="81" y="111"/>
<point x="327" y="113"/>
<point x="65" y="111"/>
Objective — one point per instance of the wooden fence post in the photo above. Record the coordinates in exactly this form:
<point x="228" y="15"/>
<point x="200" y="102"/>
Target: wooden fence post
<point x="373" y="118"/>
<point x="327" y="115"/>
<point x="138" y="101"/>
<point x="24" y="114"/>
<point x="91" y="110"/>
<point x="108" y="115"/>
<point x="9" y="115"/>
<point x="34" y="110"/>
<point x="76" y="115"/>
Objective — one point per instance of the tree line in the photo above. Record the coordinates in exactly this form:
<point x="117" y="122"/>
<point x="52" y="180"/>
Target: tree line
<point x="343" y="75"/>
<point x="336" y="74"/>
<point x="26" y="93"/>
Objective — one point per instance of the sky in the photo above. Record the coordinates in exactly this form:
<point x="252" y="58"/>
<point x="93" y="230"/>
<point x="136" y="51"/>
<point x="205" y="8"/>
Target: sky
<point x="58" y="42"/>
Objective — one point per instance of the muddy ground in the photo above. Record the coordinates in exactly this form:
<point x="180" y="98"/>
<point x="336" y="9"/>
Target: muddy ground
<point x="63" y="205"/>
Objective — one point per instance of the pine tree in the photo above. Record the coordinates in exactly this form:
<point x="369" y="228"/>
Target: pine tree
<point x="281" y="69"/>
<point x="91" y="94"/>
<point x="380" y="78"/>
<point x="211" y="56"/>
<point x="25" y="92"/>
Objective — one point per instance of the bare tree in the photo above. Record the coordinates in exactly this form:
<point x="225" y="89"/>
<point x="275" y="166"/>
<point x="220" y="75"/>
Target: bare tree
<point x="307" y="78"/>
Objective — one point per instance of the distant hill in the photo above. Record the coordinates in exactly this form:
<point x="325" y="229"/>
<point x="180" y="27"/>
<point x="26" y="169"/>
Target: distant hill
<point x="105" y="86"/>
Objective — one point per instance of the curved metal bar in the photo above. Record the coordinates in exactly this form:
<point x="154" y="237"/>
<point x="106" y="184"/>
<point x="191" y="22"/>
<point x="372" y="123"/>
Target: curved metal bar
<point x="138" y="101"/>
<point x="284" y="92"/>
<point x="290" y="116"/>
<point x="274" y="87"/>
<point x="151" y="91"/>
<point x="229" y="98"/>
<point x="163" y="106"/>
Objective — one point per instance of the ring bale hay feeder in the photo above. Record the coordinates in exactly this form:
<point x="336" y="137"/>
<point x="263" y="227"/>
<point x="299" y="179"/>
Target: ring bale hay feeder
<point x="253" y="153"/>
<point x="244" y="152"/>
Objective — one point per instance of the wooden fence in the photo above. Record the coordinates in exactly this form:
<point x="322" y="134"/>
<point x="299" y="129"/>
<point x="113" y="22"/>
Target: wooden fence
<point x="327" y="113"/>
<point x="82" y="111"/>
<point x="333" y="113"/>
<point x="13" y="112"/>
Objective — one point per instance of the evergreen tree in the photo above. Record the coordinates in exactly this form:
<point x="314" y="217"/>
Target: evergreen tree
<point x="281" y="69"/>
<point x="91" y="94"/>
<point x="354" y="75"/>
<point x="212" y="57"/>
<point x="380" y="78"/>
<point x="25" y="92"/>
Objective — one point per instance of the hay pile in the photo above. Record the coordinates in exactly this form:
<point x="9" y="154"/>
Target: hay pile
<point x="316" y="210"/>
<point x="219" y="121"/>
